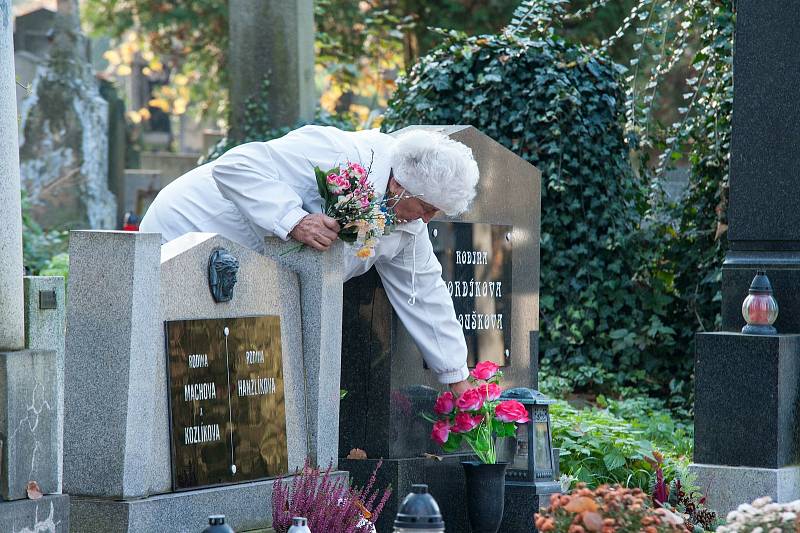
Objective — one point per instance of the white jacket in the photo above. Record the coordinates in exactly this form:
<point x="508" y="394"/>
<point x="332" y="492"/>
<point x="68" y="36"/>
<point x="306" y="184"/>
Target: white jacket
<point x="264" y="188"/>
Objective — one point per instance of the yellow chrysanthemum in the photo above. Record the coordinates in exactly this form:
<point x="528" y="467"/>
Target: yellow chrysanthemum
<point x="364" y="253"/>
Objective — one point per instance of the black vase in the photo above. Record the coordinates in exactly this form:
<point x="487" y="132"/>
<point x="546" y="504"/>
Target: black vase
<point x="486" y="492"/>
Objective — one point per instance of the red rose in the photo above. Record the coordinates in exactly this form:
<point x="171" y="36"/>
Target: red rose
<point x="489" y="391"/>
<point x="471" y="400"/>
<point x="444" y="403"/>
<point x="511" y="411"/>
<point x="441" y="430"/>
<point x="466" y="422"/>
<point x="484" y="370"/>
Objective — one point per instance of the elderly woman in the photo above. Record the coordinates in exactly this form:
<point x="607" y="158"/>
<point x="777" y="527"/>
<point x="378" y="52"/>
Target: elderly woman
<point x="265" y="189"/>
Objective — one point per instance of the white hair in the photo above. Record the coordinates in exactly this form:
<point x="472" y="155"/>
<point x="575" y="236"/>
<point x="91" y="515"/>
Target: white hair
<point x="441" y="171"/>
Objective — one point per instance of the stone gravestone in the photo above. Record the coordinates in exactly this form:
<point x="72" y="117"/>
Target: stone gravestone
<point x="273" y="41"/>
<point x="747" y="398"/>
<point x="173" y="407"/>
<point x="63" y="142"/>
<point x="490" y="261"/>
<point x="33" y="32"/>
<point x="30" y="442"/>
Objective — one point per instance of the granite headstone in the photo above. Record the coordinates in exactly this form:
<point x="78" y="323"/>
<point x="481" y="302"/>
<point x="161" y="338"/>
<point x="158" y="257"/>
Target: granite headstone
<point x="383" y="371"/>
<point x="123" y="288"/>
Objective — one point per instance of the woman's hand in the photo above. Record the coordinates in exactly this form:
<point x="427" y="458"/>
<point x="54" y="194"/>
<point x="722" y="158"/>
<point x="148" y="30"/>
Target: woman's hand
<point x="460" y="387"/>
<point x="317" y="231"/>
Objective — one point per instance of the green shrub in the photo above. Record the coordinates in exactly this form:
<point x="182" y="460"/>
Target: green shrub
<point x="57" y="266"/>
<point x="603" y="314"/>
<point x="599" y="446"/>
<point x="39" y="246"/>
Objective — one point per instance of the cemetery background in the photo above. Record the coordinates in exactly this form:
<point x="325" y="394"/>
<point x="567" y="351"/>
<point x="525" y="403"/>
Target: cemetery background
<point x="631" y="278"/>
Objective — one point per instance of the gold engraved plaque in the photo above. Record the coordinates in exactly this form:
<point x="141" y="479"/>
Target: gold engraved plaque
<point x="227" y="411"/>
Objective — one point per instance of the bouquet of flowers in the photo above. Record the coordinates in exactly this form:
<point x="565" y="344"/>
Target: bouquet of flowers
<point x="348" y="197"/>
<point x="478" y="415"/>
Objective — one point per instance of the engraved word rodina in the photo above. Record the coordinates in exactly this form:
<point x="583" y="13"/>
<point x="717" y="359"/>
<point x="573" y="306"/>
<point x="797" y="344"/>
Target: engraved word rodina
<point x="198" y="360"/>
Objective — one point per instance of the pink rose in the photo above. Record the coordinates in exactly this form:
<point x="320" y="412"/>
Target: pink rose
<point x="511" y="411"/>
<point x="444" y="403"/>
<point x="441" y="430"/>
<point x="489" y="391"/>
<point x="466" y="422"/>
<point x="484" y="370"/>
<point x="471" y="400"/>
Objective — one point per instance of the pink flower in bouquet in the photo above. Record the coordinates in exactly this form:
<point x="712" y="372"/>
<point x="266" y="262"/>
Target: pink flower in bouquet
<point x="489" y="391"/>
<point x="444" y="403"/>
<point x="471" y="400"/>
<point x="511" y="411"/>
<point x="484" y="370"/>
<point x="441" y="430"/>
<point x="337" y="184"/>
<point x="358" y="169"/>
<point x="466" y="422"/>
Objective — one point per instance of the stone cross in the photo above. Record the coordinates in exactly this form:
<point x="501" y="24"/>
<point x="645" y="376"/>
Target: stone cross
<point x="272" y="40"/>
<point x="12" y="332"/>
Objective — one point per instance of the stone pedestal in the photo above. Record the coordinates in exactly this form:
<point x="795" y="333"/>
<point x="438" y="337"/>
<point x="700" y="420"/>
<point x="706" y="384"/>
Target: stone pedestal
<point x="747" y="417"/>
<point x="48" y="514"/>
<point x="29" y="393"/>
<point x="113" y="335"/>
<point x="445" y="480"/>
<point x="246" y="507"/>
<point x="730" y="486"/>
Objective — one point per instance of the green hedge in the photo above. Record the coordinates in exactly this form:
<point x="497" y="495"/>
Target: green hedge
<point x="604" y="315"/>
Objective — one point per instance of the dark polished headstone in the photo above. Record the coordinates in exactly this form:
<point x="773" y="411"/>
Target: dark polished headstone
<point x="382" y="370"/>
<point x="445" y="480"/>
<point x="764" y="210"/>
<point x="747" y="400"/>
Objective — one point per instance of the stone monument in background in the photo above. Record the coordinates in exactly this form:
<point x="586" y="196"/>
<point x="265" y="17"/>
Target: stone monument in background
<point x="747" y="387"/>
<point x="490" y="261"/>
<point x="64" y="135"/>
<point x="273" y="41"/>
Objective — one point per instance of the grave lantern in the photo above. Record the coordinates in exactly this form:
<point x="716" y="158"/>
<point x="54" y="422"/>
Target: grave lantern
<point x="530" y="453"/>
<point x="760" y="309"/>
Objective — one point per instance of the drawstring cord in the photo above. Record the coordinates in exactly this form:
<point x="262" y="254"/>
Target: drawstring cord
<point x="413" y="299"/>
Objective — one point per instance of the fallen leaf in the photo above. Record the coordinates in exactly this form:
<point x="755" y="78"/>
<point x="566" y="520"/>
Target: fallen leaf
<point x="364" y="511"/>
<point x="581" y="504"/>
<point x="33" y="490"/>
<point x="357" y="453"/>
<point x="593" y="521"/>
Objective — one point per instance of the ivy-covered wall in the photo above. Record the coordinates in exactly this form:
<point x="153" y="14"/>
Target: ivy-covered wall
<point x="560" y="106"/>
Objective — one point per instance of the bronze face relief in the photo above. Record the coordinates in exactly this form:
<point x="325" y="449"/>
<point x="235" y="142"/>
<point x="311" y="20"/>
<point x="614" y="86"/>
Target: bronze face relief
<point x="222" y="271"/>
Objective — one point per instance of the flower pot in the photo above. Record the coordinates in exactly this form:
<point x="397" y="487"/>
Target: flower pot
<point x="486" y="491"/>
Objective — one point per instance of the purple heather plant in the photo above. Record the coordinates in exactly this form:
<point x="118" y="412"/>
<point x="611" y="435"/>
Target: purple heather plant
<point x="329" y="504"/>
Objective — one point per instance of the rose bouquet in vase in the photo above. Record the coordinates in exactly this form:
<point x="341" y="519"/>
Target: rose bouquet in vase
<point x="478" y="417"/>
